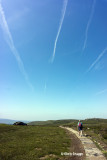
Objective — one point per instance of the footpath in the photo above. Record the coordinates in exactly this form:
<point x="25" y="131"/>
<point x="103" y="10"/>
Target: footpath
<point x="91" y="151"/>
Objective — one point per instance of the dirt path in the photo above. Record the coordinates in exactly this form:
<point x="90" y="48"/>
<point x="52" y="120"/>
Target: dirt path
<point x="76" y="147"/>
<point x="91" y="151"/>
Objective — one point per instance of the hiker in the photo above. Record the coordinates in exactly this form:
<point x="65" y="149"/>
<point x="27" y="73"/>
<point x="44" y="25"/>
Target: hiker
<point x="80" y="127"/>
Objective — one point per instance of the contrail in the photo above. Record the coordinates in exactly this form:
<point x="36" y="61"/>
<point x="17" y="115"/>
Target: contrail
<point x="10" y="42"/>
<point x="98" y="58"/>
<point x="60" y="26"/>
<point x="88" y="24"/>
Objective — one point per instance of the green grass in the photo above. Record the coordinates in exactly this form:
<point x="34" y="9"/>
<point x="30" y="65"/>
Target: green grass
<point x="32" y="142"/>
<point x="105" y="153"/>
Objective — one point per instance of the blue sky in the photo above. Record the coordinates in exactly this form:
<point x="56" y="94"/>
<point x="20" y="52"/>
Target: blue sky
<point x="53" y="59"/>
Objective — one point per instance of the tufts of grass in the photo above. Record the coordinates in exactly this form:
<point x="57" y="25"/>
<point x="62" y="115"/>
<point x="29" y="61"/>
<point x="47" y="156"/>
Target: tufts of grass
<point x="105" y="153"/>
<point x="32" y="142"/>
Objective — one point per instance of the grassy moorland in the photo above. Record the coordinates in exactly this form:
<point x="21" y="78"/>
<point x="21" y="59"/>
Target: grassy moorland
<point x="45" y="140"/>
<point x="32" y="142"/>
<point x="95" y="129"/>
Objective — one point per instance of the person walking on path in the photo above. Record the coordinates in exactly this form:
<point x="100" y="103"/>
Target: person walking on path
<point x="80" y="127"/>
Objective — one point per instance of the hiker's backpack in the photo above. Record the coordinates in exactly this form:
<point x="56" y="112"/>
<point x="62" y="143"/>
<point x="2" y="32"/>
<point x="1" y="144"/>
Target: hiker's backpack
<point x="80" y="124"/>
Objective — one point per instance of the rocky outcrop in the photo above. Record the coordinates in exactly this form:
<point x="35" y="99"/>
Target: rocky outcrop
<point x="20" y="123"/>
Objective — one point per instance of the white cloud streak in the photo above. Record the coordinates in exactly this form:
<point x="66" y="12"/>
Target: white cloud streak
<point x="60" y="26"/>
<point x="97" y="60"/>
<point x="88" y="24"/>
<point x="9" y="40"/>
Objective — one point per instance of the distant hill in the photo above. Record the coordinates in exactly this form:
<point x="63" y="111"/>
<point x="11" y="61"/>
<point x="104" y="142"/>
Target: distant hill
<point x="95" y="120"/>
<point x="56" y="122"/>
<point x="68" y="121"/>
<point x="52" y="122"/>
<point x="10" y="121"/>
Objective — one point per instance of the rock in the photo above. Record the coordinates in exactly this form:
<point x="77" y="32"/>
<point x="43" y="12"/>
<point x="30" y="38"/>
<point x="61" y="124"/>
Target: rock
<point x="20" y="123"/>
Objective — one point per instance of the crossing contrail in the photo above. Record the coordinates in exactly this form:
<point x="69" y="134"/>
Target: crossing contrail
<point x="9" y="40"/>
<point x="88" y="24"/>
<point x="60" y="26"/>
<point x="98" y="58"/>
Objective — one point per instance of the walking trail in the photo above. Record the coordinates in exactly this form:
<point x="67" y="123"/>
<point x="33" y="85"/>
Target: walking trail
<point x="91" y="151"/>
